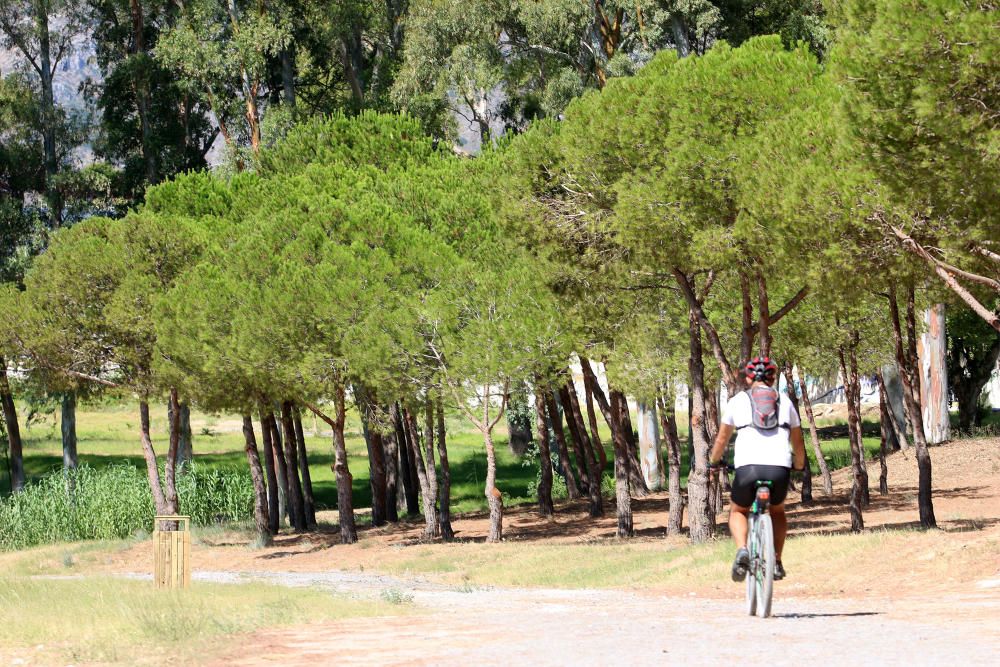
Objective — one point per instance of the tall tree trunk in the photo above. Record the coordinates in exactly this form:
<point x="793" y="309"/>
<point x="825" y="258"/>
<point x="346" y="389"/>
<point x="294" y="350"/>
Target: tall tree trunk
<point x="807" y="496"/>
<point x="68" y="428"/>
<point x="668" y="421"/>
<point x="140" y="87"/>
<point x="429" y="465"/>
<point x="555" y="417"/>
<point x="444" y="491"/>
<point x="185" y="450"/>
<point x="392" y="475"/>
<point x="650" y="458"/>
<point x="636" y="481"/>
<point x="856" y="397"/>
<point x="170" y="466"/>
<point x="595" y="435"/>
<point x="48" y="113"/>
<point x="702" y="522"/>
<point x="824" y="467"/>
<point x="518" y="420"/>
<point x="281" y="468"/>
<point x="407" y="467"/>
<point x="494" y="499"/>
<point x="262" y="520"/>
<point x="273" y="493"/>
<point x="593" y="468"/>
<point x="15" y="451"/>
<point x="367" y="407"/>
<point x="308" y="501"/>
<point x="296" y="502"/>
<point x="345" y="506"/>
<point x="288" y="76"/>
<point x="895" y="434"/>
<point x="933" y="374"/>
<point x="148" y="453"/>
<point x="544" y="455"/>
<point x="885" y="431"/>
<point x="854" y="431"/>
<point x="623" y="499"/>
<point x="906" y="359"/>
<point x="428" y="496"/>
<point x="574" y="435"/>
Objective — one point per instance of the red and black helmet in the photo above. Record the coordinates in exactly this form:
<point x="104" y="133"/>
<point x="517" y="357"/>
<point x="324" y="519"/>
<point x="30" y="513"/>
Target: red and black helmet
<point x="761" y="369"/>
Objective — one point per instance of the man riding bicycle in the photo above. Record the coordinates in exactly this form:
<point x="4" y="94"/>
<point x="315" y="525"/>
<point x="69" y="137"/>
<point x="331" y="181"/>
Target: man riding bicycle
<point x="766" y="423"/>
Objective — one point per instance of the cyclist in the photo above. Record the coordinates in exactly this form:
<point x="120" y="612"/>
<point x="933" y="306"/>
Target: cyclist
<point x="766" y="423"/>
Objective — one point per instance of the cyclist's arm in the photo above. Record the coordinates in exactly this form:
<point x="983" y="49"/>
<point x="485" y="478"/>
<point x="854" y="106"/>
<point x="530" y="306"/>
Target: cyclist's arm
<point x="798" y="448"/>
<point x="721" y="442"/>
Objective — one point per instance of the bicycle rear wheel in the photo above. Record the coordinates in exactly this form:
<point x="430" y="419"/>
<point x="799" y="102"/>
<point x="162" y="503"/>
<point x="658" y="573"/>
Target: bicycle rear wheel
<point x="764" y="579"/>
<point x="753" y="547"/>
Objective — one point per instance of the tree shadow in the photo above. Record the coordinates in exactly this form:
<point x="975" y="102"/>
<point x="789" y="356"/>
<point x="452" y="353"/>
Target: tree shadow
<point x="828" y="615"/>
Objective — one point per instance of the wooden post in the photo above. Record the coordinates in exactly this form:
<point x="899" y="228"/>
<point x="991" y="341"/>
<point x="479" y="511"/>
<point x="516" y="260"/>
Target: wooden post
<point x="934" y="377"/>
<point x="172" y="546"/>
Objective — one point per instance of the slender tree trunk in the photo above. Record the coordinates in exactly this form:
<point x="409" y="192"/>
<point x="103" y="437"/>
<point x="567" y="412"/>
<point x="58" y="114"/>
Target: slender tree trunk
<point x="544" y="455"/>
<point x="444" y="491"/>
<point x="390" y="443"/>
<point x="895" y="434"/>
<point x="68" y="428"/>
<point x="593" y="468"/>
<point x="288" y="76"/>
<point x="281" y="468"/>
<point x="824" y="467"/>
<point x="595" y="435"/>
<point x="170" y="467"/>
<point x="572" y="490"/>
<point x="185" y="450"/>
<point x="48" y="113"/>
<point x="701" y="521"/>
<point x="345" y="506"/>
<point x="262" y="520"/>
<point x="429" y="464"/>
<point x="575" y="438"/>
<point x="296" y="502"/>
<point x="273" y="506"/>
<point x="140" y="87"/>
<point x="668" y="422"/>
<point x="807" y="496"/>
<point x="152" y="469"/>
<point x="636" y="481"/>
<point x="416" y="454"/>
<point x="856" y="397"/>
<point x="307" y="487"/>
<point x="376" y="452"/>
<point x="13" y="431"/>
<point x="885" y="430"/>
<point x="518" y="420"/>
<point x="854" y="430"/>
<point x="906" y="359"/>
<point x="407" y="466"/>
<point x="623" y="499"/>
<point x="493" y="496"/>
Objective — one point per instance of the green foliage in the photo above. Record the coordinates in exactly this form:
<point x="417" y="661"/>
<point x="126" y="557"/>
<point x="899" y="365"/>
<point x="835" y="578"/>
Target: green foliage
<point x="114" y="502"/>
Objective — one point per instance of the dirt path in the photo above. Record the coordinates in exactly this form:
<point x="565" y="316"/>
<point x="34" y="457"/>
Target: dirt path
<point x="465" y="626"/>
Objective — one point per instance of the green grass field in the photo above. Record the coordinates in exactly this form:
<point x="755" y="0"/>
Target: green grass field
<point x="109" y="434"/>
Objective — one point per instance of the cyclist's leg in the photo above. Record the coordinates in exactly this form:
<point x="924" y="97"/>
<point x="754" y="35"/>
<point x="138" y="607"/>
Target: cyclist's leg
<point x="780" y="523"/>
<point x="738" y="524"/>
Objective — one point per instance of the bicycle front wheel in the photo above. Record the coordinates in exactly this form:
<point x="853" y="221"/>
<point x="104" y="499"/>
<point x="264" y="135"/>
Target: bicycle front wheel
<point x="764" y="579"/>
<point x="753" y="546"/>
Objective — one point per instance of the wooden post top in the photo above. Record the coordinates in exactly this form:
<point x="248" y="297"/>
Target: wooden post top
<point x="183" y="521"/>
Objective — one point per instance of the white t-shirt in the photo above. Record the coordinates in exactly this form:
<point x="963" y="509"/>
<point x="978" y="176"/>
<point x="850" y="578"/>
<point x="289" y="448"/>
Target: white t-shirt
<point x="755" y="446"/>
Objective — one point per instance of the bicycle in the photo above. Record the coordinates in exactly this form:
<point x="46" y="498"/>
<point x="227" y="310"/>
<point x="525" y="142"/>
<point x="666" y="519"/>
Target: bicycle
<point x="760" y="544"/>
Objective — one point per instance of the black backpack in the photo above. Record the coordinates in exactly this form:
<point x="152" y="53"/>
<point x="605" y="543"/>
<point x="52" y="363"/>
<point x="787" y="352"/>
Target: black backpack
<point x="764" y="404"/>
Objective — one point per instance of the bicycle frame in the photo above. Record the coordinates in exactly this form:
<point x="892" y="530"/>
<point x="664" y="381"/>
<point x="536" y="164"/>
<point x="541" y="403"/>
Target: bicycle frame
<point x="760" y="544"/>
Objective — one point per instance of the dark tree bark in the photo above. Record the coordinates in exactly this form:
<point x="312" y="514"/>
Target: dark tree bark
<point x="376" y="453"/>
<point x="895" y="434"/>
<point x="341" y="469"/>
<point x="288" y="76"/>
<point x="407" y="467"/>
<point x="152" y="469"/>
<point x="444" y="491"/>
<point x="273" y="493"/>
<point x="885" y="431"/>
<point x="185" y="449"/>
<point x="427" y="494"/>
<point x="280" y="467"/>
<point x="854" y="436"/>
<point x="702" y="523"/>
<point x="544" y="455"/>
<point x="13" y="431"/>
<point x="308" y="501"/>
<point x="68" y="428"/>
<point x="170" y="466"/>
<point x="572" y="490"/>
<point x="856" y="397"/>
<point x="807" y="495"/>
<point x="296" y="501"/>
<point x="392" y="474"/>
<point x="574" y="435"/>
<point x="595" y="435"/>
<point x="262" y="520"/>
<point x="623" y="499"/>
<point x="575" y="417"/>
<point x="906" y="359"/>
<point x="668" y="422"/>
<point x="518" y="420"/>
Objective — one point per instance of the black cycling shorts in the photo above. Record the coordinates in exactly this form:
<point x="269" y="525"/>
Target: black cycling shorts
<point x="745" y="483"/>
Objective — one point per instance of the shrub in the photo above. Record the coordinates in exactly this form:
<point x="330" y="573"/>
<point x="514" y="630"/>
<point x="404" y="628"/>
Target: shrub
<point x="114" y="503"/>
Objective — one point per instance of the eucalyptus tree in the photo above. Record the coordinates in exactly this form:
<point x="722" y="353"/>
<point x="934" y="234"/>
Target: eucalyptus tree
<point x="923" y="105"/>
